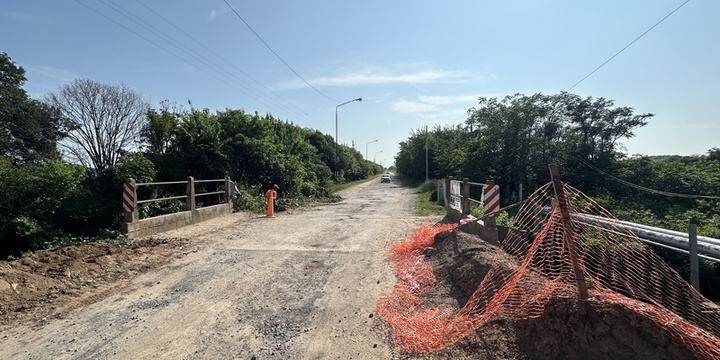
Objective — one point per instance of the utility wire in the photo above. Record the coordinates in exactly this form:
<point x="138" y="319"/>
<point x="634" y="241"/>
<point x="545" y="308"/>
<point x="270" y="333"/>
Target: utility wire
<point x="276" y="55"/>
<point x="172" y="42"/>
<point x="646" y="189"/>
<point x="194" y="54"/>
<point x="224" y="59"/>
<point x="554" y="110"/>
<point x="628" y="45"/>
<point x="161" y="47"/>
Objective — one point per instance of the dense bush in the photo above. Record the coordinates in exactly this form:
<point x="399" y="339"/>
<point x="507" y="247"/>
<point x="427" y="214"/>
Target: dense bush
<point x="34" y="202"/>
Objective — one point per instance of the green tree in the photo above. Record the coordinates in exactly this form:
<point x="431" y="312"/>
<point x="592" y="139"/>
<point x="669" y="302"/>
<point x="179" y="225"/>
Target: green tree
<point x="713" y="154"/>
<point x="512" y="141"/>
<point x="198" y="146"/>
<point x="159" y="131"/>
<point x="29" y="129"/>
<point x="594" y="129"/>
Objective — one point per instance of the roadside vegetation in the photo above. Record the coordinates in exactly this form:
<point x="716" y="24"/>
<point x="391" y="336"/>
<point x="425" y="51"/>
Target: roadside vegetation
<point x="65" y="157"/>
<point x="512" y="140"/>
<point x="426" y="195"/>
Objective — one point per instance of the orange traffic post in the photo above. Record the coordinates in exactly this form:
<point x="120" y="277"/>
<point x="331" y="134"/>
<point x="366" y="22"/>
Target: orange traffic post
<point x="271" y="195"/>
<point x="270" y="208"/>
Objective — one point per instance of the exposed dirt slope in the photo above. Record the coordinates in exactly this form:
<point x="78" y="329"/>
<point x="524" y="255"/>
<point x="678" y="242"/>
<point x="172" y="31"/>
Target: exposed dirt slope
<point x="568" y="329"/>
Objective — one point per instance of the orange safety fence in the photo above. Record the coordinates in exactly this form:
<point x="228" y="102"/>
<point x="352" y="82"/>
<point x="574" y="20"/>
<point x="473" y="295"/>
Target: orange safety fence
<point x="533" y="266"/>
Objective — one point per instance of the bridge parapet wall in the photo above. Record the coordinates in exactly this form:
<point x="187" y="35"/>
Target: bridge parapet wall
<point x="135" y="227"/>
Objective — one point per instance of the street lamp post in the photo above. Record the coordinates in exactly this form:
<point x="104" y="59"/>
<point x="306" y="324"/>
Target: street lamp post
<point x="375" y="156"/>
<point x="366" y="148"/>
<point x="337" y="145"/>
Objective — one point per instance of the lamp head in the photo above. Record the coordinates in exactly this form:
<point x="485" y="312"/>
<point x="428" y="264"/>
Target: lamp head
<point x="358" y="99"/>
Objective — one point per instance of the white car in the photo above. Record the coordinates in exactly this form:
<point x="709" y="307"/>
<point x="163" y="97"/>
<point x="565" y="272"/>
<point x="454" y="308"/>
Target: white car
<point x="385" y="178"/>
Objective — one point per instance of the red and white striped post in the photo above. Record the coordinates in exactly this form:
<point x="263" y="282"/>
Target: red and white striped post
<point x="491" y="199"/>
<point x="491" y="204"/>
<point x="129" y="201"/>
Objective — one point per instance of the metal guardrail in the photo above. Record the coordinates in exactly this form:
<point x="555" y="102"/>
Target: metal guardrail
<point x="708" y="248"/>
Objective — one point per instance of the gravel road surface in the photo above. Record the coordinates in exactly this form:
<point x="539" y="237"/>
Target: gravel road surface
<point x="303" y="285"/>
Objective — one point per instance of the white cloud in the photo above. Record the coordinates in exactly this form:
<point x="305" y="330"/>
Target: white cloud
<point x="446" y="100"/>
<point x="425" y="103"/>
<point x="376" y="75"/>
<point x="443" y="110"/>
<point x="406" y="106"/>
<point x="51" y="72"/>
<point x="447" y="117"/>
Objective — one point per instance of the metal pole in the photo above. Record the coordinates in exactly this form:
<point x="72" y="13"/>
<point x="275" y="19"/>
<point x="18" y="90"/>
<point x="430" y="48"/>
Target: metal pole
<point x="366" y="149"/>
<point x="694" y="266"/>
<point x="567" y="231"/>
<point x="426" y="153"/>
<point x="337" y="145"/>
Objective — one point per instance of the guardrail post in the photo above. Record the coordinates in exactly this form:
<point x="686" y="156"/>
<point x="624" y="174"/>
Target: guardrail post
<point x="694" y="266"/>
<point x="438" y="189"/>
<point x="130" y="206"/>
<point x="190" y="202"/>
<point x="228" y="190"/>
<point x="447" y="194"/>
<point x="489" y="221"/>
<point x="465" y="197"/>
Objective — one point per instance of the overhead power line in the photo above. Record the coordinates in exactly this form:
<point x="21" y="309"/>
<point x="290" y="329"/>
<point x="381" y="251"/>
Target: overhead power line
<point x="224" y="74"/>
<point x="190" y="52"/>
<point x="185" y="49"/>
<point x="222" y="58"/>
<point x="628" y="45"/>
<point x="647" y="189"/>
<point x="276" y="54"/>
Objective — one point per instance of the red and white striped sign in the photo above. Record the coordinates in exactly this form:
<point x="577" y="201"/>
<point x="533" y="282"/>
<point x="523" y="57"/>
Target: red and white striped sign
<point x="128" y="197"/>
<point x="491" y="199"/>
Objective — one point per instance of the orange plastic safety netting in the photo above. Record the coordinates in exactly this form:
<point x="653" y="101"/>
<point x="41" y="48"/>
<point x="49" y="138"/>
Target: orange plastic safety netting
<point x="533" y="266"/>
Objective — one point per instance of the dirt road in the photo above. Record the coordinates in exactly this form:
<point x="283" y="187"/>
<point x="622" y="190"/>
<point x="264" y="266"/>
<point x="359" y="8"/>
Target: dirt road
<point x="302" y="285"/>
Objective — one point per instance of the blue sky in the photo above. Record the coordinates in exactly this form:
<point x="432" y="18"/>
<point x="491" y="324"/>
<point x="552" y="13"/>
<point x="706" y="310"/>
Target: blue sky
<point x="414" y="63"/>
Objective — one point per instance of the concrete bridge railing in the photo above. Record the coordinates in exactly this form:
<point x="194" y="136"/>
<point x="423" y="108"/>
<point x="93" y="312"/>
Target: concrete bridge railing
<point x="133" y="226"/>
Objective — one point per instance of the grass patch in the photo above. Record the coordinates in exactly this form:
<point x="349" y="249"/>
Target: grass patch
<point x="426" y="200"/>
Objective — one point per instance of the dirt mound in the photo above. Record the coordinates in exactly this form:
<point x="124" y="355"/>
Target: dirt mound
<point x="50" y="283"/>
<point x="567" y="329"/>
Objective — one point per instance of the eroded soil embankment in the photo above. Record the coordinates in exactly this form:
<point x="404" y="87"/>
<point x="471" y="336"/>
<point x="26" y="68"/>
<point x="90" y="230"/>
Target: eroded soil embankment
<point x="566" y="329"/>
